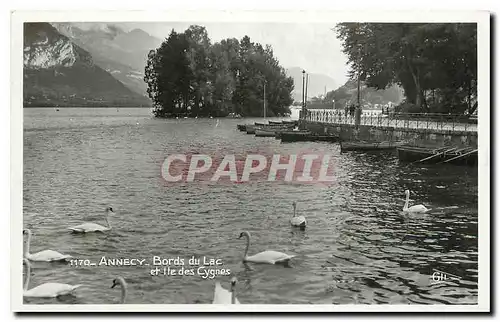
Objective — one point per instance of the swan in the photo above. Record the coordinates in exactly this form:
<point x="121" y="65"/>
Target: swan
<point x="415" y="208"/>
<point x="47" y="255"/>
<point x="121" y="281"/>
<point x="92" y="227"/>
<point x="297" y="221"/>
<point x="265" y="257"/>
<point x="46" y="290"/>
<point x="223" y="296"/>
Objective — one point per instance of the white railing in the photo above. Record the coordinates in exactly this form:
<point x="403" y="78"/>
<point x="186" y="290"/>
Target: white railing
<point x="405" y="121"/>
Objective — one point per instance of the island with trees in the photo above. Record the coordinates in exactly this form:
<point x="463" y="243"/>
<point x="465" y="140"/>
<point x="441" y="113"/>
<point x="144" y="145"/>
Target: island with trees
<point x="188" y="75"/>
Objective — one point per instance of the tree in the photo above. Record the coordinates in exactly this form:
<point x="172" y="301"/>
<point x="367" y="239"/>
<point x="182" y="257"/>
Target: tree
<point x="435" y="63"/>
<point x="189" y="75"/>
<point x="199" y="63"/>
<point x="168" y="75"/>
<point x="222" y="77"/>
<point x="150" y="77"/>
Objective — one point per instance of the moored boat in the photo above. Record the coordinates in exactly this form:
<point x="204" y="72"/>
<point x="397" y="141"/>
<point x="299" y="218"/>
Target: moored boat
<point x="264" y="133"/>
<point x="270" y="131"/>
<point x="250" y="129"/>
<point x="292" y="132"/>
<point x="298" y="136"/>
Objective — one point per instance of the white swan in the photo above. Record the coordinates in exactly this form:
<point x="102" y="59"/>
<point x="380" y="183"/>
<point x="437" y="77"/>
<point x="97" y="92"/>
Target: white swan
<point x="46" y="290"/>
<point x="223" y="296"/>
<point x="92" y="227"/>
<point x="415" y="208"/>
<point x="121" y="281"/>
<point x="297" y="221"/>
<point x="47" y="255"/>
<point x="265" y="257"/>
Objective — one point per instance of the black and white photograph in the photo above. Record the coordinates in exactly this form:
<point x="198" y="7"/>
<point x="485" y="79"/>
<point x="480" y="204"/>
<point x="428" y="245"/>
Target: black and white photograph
<point x="324" y="162"/>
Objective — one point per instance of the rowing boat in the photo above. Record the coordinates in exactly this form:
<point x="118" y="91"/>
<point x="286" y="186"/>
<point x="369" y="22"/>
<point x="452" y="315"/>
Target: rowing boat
<point x="270" y="132"/>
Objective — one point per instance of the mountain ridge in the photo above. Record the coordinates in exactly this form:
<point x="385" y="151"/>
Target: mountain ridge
<point x="318" y="84"/>
<point x="57" y="72"/>
<point x="122" y="53"/>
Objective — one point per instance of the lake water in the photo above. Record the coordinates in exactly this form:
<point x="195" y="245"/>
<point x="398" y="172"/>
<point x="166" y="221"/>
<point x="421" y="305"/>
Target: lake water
<point x="358" y="248"/>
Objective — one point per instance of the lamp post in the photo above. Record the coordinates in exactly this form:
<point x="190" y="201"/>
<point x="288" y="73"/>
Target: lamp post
<point x="305" y="99"/>
<point x="264" y="99"/>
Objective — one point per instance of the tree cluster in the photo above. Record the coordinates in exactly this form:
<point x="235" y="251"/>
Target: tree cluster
<point x="188" y="75"/>
<point x="435" y="63"/>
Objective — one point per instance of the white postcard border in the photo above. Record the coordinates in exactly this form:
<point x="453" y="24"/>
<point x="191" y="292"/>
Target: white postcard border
<point x="481" y="17"/>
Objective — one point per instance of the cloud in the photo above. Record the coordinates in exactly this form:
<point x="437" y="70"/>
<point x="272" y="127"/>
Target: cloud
<point x="313" y="47"/>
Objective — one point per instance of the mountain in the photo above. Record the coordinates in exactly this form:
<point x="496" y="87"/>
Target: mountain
<point x="58" y="72"/>
<point x="121" y="53"/>
<point x="315" y="86"/>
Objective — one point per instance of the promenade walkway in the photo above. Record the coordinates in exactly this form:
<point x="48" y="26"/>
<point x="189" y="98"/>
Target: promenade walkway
<point x="406" y="121"/>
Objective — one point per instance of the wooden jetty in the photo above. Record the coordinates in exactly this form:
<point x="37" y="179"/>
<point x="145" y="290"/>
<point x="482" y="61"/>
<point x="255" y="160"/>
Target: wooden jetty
<point x="368" y="146"/>
<point x="448" y="154"/>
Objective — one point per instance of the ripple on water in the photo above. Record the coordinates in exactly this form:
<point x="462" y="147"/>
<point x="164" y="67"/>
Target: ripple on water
<point x="358" y="248"/>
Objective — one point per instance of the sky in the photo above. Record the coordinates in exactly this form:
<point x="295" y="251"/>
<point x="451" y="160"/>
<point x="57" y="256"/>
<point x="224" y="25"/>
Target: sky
<point x="312" y="46"/>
